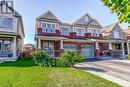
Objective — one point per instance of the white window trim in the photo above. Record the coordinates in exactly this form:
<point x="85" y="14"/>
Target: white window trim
<point x="116" y="34"/>
<point x="46" y="26"/>
<point x="83" y="31"/>
<point x="69" y="28"/>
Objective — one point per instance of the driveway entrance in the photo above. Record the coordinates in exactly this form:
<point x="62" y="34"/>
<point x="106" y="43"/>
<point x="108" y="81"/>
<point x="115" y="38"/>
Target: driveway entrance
<point x="117" y="71"/>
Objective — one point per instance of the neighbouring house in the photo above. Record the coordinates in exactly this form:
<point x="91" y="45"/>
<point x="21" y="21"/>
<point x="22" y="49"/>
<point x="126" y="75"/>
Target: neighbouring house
<point x="127" y="32"/>
<point x="29" y="47"/>
<point x="85" y="36"/>
<point x="11" y="32"/>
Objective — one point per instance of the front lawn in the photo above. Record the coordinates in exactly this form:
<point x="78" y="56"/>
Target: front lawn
<point x="26" y="74"/>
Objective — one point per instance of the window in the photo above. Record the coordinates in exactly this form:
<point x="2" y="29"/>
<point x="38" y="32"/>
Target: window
<point x="48" y="27"/>
<point x="65" y="30"/>
<point x="73" y="47"/>
<point x="80" y="32"/>
<point x="7" y="45"/>
<point x="116" y="34"/>
<point x="66" y="47"/>
<point x="53" y="26"/>
<point x="70" y="47"/>
<point x="44" y="27"/>
<point x="6" y="22"/>
<point x="95" y="32"/>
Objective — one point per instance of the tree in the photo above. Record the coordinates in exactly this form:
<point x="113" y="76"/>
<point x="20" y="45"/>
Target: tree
<point x="121" y="8"/>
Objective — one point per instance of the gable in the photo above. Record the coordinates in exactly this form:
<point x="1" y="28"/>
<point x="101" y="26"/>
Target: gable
<point x="84" y="20"/>
<point x="95" y="23"/>
<point x="49" y="15"/>
<point x="6" y="9"/>
<point x="87" y="20"/>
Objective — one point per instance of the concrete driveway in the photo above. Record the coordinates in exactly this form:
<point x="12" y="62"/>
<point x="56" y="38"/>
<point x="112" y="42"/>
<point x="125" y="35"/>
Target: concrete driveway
<point x="117" y="71"/>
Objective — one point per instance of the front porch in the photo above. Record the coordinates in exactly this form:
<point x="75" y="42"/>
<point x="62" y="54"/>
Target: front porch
<point x="8" y="47"/>
<point x="90" y="48"/>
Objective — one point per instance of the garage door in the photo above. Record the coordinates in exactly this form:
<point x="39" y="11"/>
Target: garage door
<point x="88" y="51"/>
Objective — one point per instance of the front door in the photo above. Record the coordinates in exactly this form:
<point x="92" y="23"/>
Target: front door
<point x="48" y="47"/>
<point x="88" y="51"/>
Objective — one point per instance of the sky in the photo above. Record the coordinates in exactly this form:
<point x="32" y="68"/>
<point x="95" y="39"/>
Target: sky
<point x="67" y="11"/>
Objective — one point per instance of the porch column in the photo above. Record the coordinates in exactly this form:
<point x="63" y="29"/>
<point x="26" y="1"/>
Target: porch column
<point x="61" y="46"/>
<point x="97" y="51"/>
<point x="39" y="44"/>
<point x="14" y="48"/>
<point x="97" y="47"/>
<point x="110" y="48"/>
<point x="128" y="49"/>
<point x="123" y="51"/>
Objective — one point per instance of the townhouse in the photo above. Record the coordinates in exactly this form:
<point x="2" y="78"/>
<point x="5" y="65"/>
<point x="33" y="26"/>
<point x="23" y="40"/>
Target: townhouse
<point x="11" y="32"/>
<point x="85" y="36"/>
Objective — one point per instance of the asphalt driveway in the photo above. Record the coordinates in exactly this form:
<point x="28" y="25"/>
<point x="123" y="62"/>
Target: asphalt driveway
<point x="117" y="71"/>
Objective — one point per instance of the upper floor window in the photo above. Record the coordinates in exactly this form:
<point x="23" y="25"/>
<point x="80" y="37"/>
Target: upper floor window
<point x="6" y="23"/>
<point x="80" y="32"/>
<point x="94" y="32"/>
<point x="65" y="31"/>
<point x="116" y="33"/>
<point x="48" y="27"/>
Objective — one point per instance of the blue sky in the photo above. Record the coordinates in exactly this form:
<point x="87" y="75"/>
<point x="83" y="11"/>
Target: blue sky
<point x="66" y="10"/>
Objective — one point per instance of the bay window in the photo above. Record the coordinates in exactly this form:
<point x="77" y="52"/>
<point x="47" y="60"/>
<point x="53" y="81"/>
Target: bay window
<point x="65" y="30"/>
<point x="6" y="23"/>
<point x="48" y="27"/>
<point x="80" y="32"/>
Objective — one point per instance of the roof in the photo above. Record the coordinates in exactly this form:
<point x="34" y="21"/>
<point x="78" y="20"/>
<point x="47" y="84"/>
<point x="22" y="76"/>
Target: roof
<point x="109" y="27"/>
<point x="127" y="31"/>
<point x="10" y="7"/>
<point x="66" y="24"/>
<point x="86" y="20"/>
<point x="48" y="15"/>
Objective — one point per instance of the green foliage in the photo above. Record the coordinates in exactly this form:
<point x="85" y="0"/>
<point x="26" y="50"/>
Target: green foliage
<point x="128" y="56"/>
<point x="50" y="77"/>
<point x="18" y="63"/>
<point x="121" y="8"/>
<point x="41" y="58"/>
<point x="69" y="58"/>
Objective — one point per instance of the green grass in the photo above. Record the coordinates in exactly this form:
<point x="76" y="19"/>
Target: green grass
<point x="26" y="74"/>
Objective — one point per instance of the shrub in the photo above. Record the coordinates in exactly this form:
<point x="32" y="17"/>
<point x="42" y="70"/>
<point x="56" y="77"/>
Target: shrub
<point x="40" y="58"/>
<point x="128" y="56"/>
<point x="69" y="58"/>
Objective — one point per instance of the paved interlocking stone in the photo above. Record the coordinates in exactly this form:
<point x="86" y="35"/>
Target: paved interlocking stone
<point x="117" y="71"/>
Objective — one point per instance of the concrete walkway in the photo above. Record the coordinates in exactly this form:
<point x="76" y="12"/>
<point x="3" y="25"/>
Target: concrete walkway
<point x="117" y="71"/>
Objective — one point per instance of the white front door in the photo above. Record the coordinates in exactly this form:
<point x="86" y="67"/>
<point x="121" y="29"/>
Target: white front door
<point x="88" y="51"/>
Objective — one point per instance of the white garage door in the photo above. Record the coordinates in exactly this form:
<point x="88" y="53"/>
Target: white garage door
<point x="88" y="51"/>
